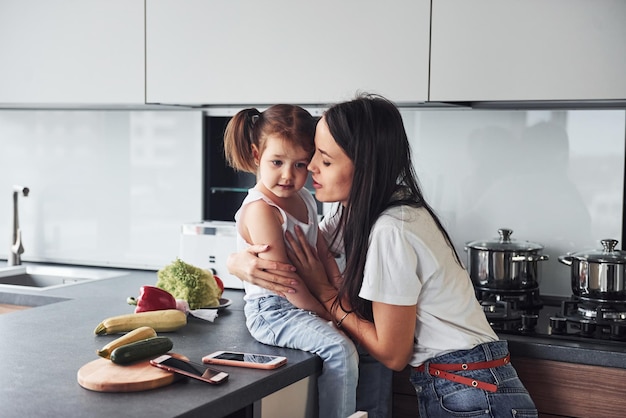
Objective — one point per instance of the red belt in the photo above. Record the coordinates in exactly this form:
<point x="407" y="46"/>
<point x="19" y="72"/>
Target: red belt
<point x="441" y="370"/>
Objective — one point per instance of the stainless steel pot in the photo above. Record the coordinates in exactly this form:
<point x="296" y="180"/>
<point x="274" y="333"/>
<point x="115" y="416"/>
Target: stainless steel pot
<point x="504" y="263"/>
<point x="598" y="275"/>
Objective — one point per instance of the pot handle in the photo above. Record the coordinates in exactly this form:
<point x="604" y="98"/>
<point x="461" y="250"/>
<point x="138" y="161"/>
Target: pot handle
<point x="538" y="257"/>
<point x="566" y="259"/>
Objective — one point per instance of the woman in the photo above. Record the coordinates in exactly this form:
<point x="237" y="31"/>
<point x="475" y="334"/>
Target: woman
<point x="405" y="296"/>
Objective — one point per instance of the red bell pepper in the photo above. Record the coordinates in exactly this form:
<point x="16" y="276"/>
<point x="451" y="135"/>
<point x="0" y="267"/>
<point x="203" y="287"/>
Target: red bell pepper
<point x="152" y="298"/>
<point x="220" y="283"/>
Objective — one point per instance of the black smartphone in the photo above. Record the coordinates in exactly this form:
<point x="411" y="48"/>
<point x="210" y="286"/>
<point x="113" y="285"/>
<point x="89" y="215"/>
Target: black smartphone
<point x="190" y="369"/>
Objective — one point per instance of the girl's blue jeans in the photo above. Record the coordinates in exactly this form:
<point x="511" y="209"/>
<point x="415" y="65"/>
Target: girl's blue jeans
<point x="275" y="321"/>
<point x="439" y="397"/>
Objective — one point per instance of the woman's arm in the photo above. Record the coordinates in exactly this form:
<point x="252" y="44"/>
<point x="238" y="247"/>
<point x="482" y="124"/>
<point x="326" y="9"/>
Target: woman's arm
<point x="389" y="338"/>
<point x="275" y="275"/>
<point x="272" y="275"/>
<point x="328" y="260"/>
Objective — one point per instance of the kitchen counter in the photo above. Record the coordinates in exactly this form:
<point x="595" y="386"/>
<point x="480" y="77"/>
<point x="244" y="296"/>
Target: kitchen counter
<point x="593" y="353"/>
<point x="44" y="347"/>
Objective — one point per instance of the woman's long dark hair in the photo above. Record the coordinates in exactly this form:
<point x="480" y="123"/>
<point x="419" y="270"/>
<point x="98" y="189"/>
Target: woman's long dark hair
<point x="371" y="132"/>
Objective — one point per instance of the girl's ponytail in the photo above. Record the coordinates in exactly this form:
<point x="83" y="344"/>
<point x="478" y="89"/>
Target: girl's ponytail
<point x="241" y="133"/>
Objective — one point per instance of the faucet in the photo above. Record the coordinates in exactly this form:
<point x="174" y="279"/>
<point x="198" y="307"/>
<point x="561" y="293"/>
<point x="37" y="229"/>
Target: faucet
<point x="16" y="249"/>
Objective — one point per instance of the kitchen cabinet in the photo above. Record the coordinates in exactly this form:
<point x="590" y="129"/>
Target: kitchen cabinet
<point x="243" y="51"/>
<point x="68" y="52"/>
<point x="573" y="390"/>
<point x="492" y="50"/>
<point x="404" y="399"/>
<point x="557" y="388"/>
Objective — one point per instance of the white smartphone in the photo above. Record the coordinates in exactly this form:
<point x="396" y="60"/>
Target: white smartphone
<point x="189" y="369"/>
<point x="254" y="361"/>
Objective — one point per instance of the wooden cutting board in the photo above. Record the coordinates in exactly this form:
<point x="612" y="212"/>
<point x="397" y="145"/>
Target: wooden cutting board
<point x="102" y="375"/>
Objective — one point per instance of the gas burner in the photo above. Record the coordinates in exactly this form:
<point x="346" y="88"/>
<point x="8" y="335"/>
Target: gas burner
<point x="510" y="310"/>
<point x="601" y="310"/>
<point x="591" y="319"/>
<point x="502" y="310"/>
<point x="520" y="301"/>
<point x="604" y="314"/>
<point x="525" y="324"/>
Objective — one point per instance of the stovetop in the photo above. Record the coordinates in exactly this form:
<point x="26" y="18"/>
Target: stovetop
<point x="526" y="320"/>
<point x="565" y="319"/>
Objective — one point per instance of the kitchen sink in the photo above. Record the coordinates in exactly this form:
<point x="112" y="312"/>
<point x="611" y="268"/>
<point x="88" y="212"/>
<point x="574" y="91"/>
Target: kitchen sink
<point x="27" y="300"/>
<point x="49" y="276"/>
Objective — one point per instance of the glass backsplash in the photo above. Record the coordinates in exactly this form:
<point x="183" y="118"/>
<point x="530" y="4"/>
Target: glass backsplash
<point x="554" y="177"/>
<point x="112" y="188"/>
<point x="107" y="188"/>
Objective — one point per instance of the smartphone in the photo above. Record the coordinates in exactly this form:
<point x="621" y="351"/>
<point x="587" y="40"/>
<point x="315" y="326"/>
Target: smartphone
<point x="255" y="361"/>
<point x="189" y="369"/>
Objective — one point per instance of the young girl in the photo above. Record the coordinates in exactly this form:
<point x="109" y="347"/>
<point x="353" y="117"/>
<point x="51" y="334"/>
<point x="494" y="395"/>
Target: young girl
<point x="277" y="145"/>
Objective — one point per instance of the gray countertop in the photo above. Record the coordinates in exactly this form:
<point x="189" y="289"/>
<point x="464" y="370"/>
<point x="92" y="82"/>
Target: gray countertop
<point x="43" y="348"/>
<point x="590" y="353"/>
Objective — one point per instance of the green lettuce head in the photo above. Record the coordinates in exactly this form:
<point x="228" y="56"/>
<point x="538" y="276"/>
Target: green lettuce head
<point x="193" y="284"/>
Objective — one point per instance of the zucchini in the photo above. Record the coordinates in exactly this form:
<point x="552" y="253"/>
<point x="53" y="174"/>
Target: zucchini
<point x="161" y="321"/>
<point x="141" y="350"/>
<point x="138" y="334"/>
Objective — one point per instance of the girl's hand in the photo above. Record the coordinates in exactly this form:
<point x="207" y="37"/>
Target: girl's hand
<point x="272" y="275"/>
<point x="309" y="267"/>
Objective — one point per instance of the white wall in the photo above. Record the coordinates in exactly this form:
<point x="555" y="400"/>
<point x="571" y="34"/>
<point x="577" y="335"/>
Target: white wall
<point x="106" y="187"/>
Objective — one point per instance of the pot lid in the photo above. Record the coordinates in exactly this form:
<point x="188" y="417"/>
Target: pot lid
<point x="608" y="253"/>
<point x="505" y="243"/>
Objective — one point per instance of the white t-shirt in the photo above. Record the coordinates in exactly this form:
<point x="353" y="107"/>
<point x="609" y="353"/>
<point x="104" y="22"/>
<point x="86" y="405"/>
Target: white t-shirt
<point x="289" y="222"/>
<point x="409" y="262"/>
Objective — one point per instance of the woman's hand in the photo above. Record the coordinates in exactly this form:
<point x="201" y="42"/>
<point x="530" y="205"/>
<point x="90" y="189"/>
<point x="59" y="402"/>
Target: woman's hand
<point x="309" y="267"/>
<point x="272" y="275"/>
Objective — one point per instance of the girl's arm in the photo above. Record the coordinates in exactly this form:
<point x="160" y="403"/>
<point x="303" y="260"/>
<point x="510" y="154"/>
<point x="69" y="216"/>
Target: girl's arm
<point x="389" y="339"/>
<point x="272" y="275"/>
<point x="261" y="223"/>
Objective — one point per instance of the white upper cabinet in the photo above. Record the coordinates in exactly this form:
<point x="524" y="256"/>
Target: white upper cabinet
<point x="308" y="52"/>
<point x="71" y="52"/>
<point x="484" y="50"/>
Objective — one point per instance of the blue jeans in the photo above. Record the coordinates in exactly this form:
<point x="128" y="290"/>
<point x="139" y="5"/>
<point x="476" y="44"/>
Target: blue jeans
<point x="438" y="397"/>
<point x="275" y="321"/>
